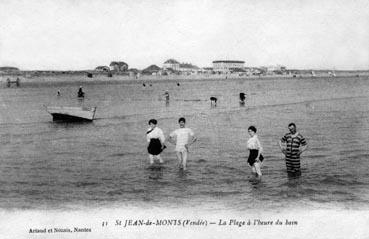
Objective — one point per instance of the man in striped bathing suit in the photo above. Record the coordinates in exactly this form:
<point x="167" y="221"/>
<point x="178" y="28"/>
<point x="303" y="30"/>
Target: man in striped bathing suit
<point x="295" y="144"/>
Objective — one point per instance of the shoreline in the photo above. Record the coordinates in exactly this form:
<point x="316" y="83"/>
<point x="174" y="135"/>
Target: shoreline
<point x="117" y="79"/>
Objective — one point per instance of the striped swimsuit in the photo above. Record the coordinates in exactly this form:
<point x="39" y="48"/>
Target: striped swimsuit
<point x="293" y="144"/>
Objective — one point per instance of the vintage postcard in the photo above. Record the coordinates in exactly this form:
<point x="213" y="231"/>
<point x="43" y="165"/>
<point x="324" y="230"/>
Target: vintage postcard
<point x="184" y="119"/>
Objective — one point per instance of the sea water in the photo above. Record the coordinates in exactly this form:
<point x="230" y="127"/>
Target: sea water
<point x="44" y="164"/>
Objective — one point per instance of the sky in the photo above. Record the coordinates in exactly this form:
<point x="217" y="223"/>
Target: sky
<point x="83" y="34"/>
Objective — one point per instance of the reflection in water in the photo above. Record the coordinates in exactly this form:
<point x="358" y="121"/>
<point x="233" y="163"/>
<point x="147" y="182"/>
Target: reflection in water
<point x="155" y="172"/>
<point x="256" y="183"/>
<point x="182" y="173"/>
<point x="294" y="175"/>
<point x="295" y="187"/>
<point x="59" y="125"/>
<point x="294" y="182"/>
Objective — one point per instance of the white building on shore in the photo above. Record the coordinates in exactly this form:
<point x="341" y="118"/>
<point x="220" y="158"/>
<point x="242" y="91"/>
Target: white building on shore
<point x="188" y="68"/>
<point x="274" y="69"/>
<point x="172" y="64"/>
<point x="226" y="66"/>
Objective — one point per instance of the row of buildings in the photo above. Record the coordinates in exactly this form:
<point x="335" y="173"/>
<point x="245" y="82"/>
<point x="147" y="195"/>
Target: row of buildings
<point x="172" y="66"/>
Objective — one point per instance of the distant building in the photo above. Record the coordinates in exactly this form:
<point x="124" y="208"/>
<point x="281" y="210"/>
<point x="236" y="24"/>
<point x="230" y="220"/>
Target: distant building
<point x="254" y="71"/>
<point x="134" y="72"/>
<point x="151" y="70"/>
<point x="188" y="68"/>
<point x="207" y="70"/>
<point x="277" y="69"/>
<point x="102" y="68"/>
<point x="171" y="64"/>
<point x="226" y="66"/>
<point x="237" y="70"/>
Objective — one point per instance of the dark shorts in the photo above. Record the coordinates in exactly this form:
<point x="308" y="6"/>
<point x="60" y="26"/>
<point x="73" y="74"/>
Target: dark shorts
<point x="253" y="155"/>
<point x="154" y="147"/>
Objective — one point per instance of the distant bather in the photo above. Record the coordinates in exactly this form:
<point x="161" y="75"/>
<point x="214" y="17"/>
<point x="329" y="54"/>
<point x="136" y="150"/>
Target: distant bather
<point x="166" y="95"/>
<point x="81" y="94"/>
<point x="242" y="97"/>
<point x="213" y="101"/>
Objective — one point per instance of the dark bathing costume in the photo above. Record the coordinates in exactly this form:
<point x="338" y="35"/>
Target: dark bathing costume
<point x="154" y="147"/>
<point x="81" y="93"/>
<point x="253" y="155"/>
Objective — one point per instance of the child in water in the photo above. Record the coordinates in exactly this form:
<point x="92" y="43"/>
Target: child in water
<point x="155" y="138"/>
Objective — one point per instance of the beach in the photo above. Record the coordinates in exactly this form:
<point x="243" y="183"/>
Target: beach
<point x="55" y="169"/>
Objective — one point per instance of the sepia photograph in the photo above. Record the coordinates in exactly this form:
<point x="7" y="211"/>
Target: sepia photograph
<point x="184" y="119"/>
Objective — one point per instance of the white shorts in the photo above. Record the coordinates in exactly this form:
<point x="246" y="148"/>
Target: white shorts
<point x="180" y="149"/>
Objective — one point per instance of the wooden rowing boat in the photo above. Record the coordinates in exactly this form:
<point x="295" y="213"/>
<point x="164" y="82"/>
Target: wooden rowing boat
<point x="68" y="113"/>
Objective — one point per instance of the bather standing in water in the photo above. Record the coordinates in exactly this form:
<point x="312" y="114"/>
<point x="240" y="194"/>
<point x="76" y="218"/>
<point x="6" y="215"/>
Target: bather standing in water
<point x="213" y="101"/>
<point x="80" y="93"/>
<point x="166" y="95"/>
<point x="242" y="98"/>
<point x="155" y="139"/>
<point x="182" y="138"/>
<point x="292" y="145"/>
<point x="255" y="157"/>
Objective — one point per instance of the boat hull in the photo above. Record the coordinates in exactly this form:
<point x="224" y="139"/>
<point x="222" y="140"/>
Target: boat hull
<point x="69" y="118"/>
<point x="71" y="114"/>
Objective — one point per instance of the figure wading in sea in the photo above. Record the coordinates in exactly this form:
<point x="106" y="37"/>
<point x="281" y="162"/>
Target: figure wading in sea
<point x="292" y="145"/>
<point x="255" y="157"/>
<point x="242" y="98"/>
<point x="80" y="93"/>
<point x="213" y="101"/>
<point x="166" y="95"/>
<point x="155" y="139"/>
<point x="181" y="137"/>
